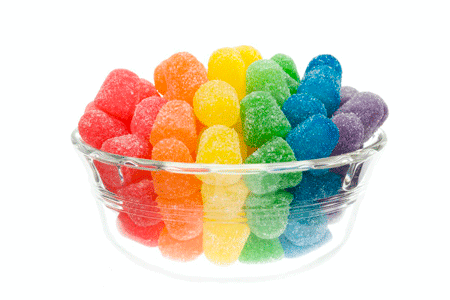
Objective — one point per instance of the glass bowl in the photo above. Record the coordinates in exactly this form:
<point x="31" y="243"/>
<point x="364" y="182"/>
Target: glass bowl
<point x="229" y="222"/>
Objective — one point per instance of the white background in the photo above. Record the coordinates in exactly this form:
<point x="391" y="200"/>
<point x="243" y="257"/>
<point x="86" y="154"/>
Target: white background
<point x="54" y="57"/>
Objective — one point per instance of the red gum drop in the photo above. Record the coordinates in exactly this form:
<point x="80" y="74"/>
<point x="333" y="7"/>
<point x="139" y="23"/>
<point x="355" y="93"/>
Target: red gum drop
<point x="146" y="89"/>
<point x="139" y="201"/>
<point x="119" y="94"/>
<point x="128" y="145"/>
<point x="147" y="236"/>
<point x="96" y="126"/>
<point x="145" y="115"/>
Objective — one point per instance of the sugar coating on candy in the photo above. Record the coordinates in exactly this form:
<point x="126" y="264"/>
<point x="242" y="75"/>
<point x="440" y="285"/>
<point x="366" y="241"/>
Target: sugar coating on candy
<point x="287" y="64"/>
<point x="309" y="195"/>
<point x="216" y="103"/>
<point x="306" y="231"/>
<point x="223" y="242"/>
<point x="169" y="184"/>
<point x="262" y="119"/>
<point x="146" y="89"/>
<point x="224" y="202"/>
<point x="300" y="107"/>
<point x="119" y="94"/>
<point x="179" y="77"/>
<point x="351" y="133"/>
<point x="322" y="84"/>
<point x="292" y="251"/>
<point x="266" y="75"/>
<point x="268" y="221"/>
<point x="369" y="108"/>
<point x="257" y="250"/>
<point x="248" y="54"/>
<point x="129" y="145"/>
<point x="147" y="236"/>
<point x="90" y="106"/>
<point x="175" y="119"/>
<point x="219" y="145"/>
<point x="183" y="216"/>
<point x="276" y="150"/>
<point x="139" y="202"/>
<point x="226" y="64"/>
<point x="184" y="251"/>
<point x="145" y="114"/>
<point x="326" y="60"/>
<point x="347" y="92"/>
<point x="314" y="138"/>
<point x="96" y="126"/>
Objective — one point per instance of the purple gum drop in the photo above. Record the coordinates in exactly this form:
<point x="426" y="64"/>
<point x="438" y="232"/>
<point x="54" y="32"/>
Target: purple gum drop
<point x="347" y="92"/>
<point x="369" y="108"/>
<point x="351" y="133"/>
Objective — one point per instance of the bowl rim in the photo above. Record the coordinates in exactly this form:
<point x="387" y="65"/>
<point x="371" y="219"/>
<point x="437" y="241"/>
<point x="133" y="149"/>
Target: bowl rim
<point x="373" y="146"/>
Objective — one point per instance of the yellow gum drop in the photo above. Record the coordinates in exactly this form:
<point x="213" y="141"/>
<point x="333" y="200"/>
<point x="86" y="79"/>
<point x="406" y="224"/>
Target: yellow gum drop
<point x="226" y="64"/>
<point x="219" y="145"/>
<point x="223" y="242"/>
<point x="248" y="54"/>
<point x="216" y="103"/>
<point x="224" y="202"/>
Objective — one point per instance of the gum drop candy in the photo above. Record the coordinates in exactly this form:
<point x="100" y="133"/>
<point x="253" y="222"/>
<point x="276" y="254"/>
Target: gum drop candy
<point x="226" y="64"/>
<point x="145" y="114"/>
<point x="146" y="89"/>
<point x="268" y="221"/>
<point x="291" y="76"/>
<point x="90" y="106"/>
<point x="224" y="202"/>
<point x="314" y="138"/>
<point x="147" y="236"/>
<point x="322" y="84"/>
<point x="119" y="94"/>
<point x="351" y="133"/>
<point x="262" y="119"/>
<point x="307" y="231"/>
<point x="300" y="107"/>
<point x="292" y="251"/>
<point x="223" y="242"/>
<point x="129" y="145"/>
<point x="326" y="60"/>
<point x="175" y="119"/>
<point x="266" y="75"/>
<point x="216" y="103"/>
<point x="180" y="76"/>
<point x="312" y="193"/>
<point x="287" y="64"/>
<point x="248" y="54"/>
<point x="347" y="92"/>
<point x="276" y="150"/>
<point x="183" y="216"/>
<point x="96" y="126"/>
<point x="139" y="202"/>
<point x="219" y="145"/>
<point x="257" y="250"/>
<point x="172" y="185"/>
<point x="369" y="108"/>
<point x="184" y="251"/>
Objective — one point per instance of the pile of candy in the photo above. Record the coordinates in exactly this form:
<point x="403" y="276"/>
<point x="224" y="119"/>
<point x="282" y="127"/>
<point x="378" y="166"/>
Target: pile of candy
<point x="242" y="109"/>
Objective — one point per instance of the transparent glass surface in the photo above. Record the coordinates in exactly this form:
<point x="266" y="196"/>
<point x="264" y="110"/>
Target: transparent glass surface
<point x="229" y="222"/>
